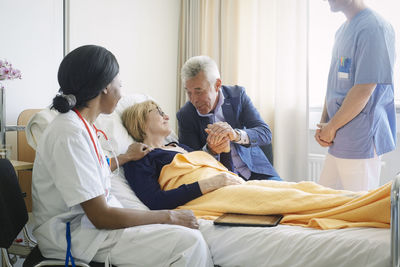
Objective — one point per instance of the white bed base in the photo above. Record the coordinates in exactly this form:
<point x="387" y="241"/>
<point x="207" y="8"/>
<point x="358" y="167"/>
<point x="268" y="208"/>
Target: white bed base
<point x="278" y="246"/>
<point x="394" y="225"/>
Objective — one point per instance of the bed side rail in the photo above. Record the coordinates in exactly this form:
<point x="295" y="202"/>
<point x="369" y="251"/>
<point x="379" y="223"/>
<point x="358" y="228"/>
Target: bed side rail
<point x="394" y="221"/>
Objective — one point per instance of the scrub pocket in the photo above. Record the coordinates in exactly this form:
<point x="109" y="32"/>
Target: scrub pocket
<point x="344" y="76"/>
<point x="344" y="68"/>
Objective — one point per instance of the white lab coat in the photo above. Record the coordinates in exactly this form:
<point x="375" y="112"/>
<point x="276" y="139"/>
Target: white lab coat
<point x="66" y="173"/>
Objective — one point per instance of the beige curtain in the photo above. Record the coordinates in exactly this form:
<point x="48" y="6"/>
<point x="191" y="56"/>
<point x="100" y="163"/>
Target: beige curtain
<point x="291" y="90"/>
<point x="189" y="41"/>
<point x="262" y="45"/>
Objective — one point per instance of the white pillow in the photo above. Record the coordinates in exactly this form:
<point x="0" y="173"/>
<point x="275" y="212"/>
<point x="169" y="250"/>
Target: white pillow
<point x="129" y="100"/>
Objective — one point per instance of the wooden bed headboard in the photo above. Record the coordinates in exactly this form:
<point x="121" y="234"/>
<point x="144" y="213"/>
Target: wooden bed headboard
<point x="25" y="153"/>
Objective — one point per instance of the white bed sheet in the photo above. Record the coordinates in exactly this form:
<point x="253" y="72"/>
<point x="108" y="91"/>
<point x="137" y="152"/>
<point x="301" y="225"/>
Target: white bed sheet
<point x="284" y="245"/>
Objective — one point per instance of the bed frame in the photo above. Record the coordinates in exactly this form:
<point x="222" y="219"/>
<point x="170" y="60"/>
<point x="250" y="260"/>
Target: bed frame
<point x="394" y="219"/>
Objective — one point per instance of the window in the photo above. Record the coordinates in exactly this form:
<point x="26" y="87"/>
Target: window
<point x="323" y="26"/>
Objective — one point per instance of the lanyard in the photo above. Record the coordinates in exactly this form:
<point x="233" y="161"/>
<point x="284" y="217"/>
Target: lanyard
<point x="90" y="134"/>
<point x="68" y="257"/>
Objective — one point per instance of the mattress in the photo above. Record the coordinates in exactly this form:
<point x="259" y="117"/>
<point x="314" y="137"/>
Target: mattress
<point x="286" y="245"/>
<point x="283" y="245"/>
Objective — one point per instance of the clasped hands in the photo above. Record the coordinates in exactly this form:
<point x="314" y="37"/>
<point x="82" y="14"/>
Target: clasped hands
<point x="220" y="134"/>
<point x="325" y="134"/>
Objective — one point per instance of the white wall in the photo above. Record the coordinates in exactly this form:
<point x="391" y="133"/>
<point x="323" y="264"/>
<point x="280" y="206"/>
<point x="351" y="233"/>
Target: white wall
<point x="142" y="34"/>
<point x="31" y="39"/>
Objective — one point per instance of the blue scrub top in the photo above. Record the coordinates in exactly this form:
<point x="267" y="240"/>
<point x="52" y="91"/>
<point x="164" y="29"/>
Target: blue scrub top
<point x="364" y="52"/>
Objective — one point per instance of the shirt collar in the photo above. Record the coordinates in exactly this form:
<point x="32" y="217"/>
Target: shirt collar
<point x="221" y="100"/>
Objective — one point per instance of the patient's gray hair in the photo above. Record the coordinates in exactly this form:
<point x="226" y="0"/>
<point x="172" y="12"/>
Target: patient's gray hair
<point x="200" y="63"/>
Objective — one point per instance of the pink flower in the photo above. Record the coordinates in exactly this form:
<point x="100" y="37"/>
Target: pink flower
<point x="7" y="72"/>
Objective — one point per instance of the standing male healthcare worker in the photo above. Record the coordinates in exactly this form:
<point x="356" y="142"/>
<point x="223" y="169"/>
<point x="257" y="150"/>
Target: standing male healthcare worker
<point x="358" y="122"/>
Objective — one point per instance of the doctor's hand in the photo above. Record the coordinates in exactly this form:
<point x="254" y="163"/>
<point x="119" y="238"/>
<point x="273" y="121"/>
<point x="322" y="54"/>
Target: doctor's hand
<point x="217" y="181"/>
<point x="183" y="217"/>
<point x="135" y="151"/>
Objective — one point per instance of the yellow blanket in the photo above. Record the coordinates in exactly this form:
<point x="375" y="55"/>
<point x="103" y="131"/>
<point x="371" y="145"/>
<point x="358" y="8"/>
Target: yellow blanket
<point x="305" y="203"/>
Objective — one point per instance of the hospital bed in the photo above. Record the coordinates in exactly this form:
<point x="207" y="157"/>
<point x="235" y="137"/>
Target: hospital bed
<point x="283" y="245"/>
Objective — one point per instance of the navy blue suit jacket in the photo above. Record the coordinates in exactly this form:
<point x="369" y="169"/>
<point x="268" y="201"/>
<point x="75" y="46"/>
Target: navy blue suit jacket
<point x="239" y="112"/>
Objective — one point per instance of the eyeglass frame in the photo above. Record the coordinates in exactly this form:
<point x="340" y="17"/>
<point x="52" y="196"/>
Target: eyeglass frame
<point x="160" y="112"/>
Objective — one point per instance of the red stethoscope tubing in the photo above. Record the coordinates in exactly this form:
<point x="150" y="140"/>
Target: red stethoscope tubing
<point x="100" y="131"/>
<point x="90" y="134"/>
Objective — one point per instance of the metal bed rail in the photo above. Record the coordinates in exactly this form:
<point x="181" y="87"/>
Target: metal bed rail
<point x="394" y="221"/>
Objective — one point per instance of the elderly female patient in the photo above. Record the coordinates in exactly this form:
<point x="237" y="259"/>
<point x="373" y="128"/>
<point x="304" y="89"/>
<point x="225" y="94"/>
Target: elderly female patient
<point x="173" y="176"/>
<point x="147" y="123"/>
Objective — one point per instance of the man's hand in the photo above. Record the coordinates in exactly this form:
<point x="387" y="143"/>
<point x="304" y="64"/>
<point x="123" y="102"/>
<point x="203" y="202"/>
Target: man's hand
<point x="325" y="134"/>
<point x="354" y="102"/>
<point x="220" y="134"/>
<point x="217" y="131"/>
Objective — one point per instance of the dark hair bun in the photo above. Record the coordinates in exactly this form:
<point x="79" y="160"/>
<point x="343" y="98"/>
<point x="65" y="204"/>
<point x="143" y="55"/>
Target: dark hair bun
<point x="61" y="104"/>
<point x="84" y="73"/>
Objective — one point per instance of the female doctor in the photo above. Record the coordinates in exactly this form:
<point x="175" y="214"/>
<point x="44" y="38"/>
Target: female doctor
<point x="74" y="212"/>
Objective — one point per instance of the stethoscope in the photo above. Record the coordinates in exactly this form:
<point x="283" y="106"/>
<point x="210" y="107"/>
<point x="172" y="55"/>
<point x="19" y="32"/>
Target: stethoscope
<point x="98" y="134"/>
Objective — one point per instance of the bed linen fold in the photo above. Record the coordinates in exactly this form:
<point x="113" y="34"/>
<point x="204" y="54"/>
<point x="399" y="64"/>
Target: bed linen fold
<point x="304" y="203"/>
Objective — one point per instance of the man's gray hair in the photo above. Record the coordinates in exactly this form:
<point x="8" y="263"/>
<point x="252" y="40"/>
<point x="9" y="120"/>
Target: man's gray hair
<point x="194" y="65"/>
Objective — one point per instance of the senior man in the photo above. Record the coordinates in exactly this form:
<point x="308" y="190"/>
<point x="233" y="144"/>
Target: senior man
<point x="222" y="121"/>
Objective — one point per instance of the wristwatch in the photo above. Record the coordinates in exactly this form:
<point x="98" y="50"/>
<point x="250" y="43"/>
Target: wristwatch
<point x="239" y="134"/>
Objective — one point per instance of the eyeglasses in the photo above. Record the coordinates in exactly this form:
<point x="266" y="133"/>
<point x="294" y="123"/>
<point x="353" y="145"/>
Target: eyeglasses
<point x="162" y="113"/>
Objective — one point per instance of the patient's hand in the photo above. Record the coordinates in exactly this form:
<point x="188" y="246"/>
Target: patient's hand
<point x="220" y="180"/>
<point x="219" y="130"/>
<point x="223" y="147"/>
<point x="183" y="217"/>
